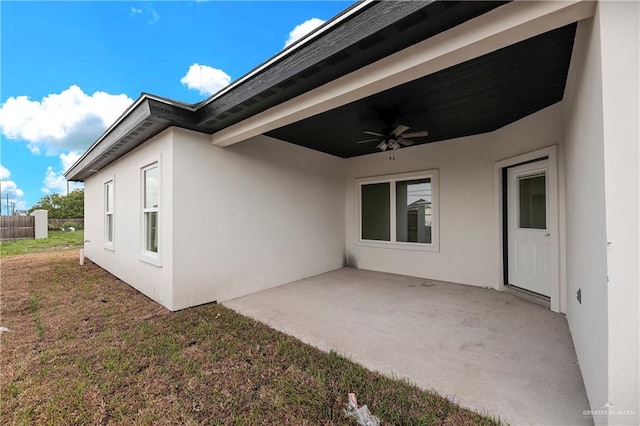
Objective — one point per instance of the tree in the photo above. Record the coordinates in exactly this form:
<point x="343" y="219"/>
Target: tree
<point x="62" y="206"/>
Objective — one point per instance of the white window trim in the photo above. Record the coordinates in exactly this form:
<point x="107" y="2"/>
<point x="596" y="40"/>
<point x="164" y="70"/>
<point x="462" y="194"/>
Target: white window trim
<point x="110" y="245"/>
<point x="434" y="246"/>
<point x="153" y="258"/>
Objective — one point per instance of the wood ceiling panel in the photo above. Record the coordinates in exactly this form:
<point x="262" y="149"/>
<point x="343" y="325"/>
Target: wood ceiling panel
<point x="474" y="97"/>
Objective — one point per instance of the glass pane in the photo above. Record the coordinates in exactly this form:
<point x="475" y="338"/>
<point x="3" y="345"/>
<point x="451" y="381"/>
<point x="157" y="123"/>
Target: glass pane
<point x="151" y="231"/>
<point x="151" y="185"/>
<point x="533" y="202"/>
<point x="375" y="212"/>
<point x="109" y="228"/>
<point x="109" y="196"/>
<point x="413" y="211"/>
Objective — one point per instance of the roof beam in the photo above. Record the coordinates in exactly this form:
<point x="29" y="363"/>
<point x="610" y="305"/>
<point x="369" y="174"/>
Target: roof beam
<point x="501" y="27"/>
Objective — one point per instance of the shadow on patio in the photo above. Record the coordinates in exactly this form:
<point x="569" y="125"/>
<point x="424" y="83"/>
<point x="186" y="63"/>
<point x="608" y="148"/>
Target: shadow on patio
<point x="492" y="351"/>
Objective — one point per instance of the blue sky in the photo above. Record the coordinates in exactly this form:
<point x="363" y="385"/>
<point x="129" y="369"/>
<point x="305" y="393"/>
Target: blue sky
<point x="68" y="69"/>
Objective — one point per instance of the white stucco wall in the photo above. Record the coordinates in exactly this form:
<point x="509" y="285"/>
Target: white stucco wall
<point x="586" y="229"/>
<point x="468" y="252"/>
<point x="124" y="261"/>
<point x="620" y="52"/>
<point x="601" y="157"/>
<point x="252" y="216"/>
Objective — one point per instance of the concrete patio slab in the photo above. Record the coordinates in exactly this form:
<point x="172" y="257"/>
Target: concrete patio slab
<point x="492" y="351"/>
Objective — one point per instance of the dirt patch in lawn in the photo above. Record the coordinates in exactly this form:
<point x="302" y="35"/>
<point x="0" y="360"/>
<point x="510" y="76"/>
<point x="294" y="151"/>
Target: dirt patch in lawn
<point x="84" y="347"/>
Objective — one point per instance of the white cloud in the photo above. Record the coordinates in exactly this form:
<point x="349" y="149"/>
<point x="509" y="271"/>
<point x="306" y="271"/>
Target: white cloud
<point x="54" y="180"/>
<point x="4" y="172"/>
<point x="70" y="120"/>
<point x="153" y="16"/>
<point x="303" y="29"/>
<point x="69" y="159"/>
<point x="205" y="79"/>
<point x="150" y="13"/>
<point x="15" y="194"/>
<point x="10" y="188"/>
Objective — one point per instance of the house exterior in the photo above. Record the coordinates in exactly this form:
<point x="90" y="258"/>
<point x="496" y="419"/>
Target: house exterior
<point x="529" y="174"/>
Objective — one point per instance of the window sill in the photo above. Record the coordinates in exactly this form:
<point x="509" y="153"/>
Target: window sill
<point x="399" y="245"/>
<point x="109" y="247"/>
<point x="151" y="259"/>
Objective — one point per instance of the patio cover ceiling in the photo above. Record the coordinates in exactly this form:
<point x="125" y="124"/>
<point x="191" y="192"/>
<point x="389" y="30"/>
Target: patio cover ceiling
<point x="477" y="96"/>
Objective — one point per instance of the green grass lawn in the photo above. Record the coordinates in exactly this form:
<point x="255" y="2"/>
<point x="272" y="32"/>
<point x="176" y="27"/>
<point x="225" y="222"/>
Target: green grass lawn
<point x="86" y="348"/>
<point x="58" y="240"/>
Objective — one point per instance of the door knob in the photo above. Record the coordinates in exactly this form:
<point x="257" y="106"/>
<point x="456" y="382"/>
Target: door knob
<point x="547" y="235"/>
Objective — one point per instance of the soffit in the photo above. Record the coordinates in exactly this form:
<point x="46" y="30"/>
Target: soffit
<point x="477" y="96"/>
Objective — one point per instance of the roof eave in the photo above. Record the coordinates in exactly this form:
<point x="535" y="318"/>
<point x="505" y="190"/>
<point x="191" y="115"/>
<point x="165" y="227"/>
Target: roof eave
<point x="151" y="114"/>
<point x="289" y="50"/>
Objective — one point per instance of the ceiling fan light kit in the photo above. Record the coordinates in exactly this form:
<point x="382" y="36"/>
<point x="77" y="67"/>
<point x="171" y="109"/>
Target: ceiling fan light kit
<point x="393" y="139"/>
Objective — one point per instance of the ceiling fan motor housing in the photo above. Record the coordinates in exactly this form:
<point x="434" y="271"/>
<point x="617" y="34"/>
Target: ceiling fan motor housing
<point x="393" y="137"/>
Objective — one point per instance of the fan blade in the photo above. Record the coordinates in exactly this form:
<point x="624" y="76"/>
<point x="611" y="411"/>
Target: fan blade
<point x="421" y="134"/>
<point x="400" y="130"/>
<point x="368" y="140"/>
<point x="373" y="133"/>
<point x="405" y="142"/>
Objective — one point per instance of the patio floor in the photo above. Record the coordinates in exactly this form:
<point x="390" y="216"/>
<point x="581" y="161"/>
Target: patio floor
<point x="492" y="351"/>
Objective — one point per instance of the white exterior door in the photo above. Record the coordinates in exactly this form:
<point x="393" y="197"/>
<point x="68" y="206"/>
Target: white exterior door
<point x="528" y="228"/>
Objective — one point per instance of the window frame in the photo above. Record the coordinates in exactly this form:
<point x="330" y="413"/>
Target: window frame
<point x="434" y="246"/>
<point x="109" y="210"/>
<point x="151" y="257"/>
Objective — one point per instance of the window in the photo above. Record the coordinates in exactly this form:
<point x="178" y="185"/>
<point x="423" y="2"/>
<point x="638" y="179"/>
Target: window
<point x="399" y="211"/>
<point x="413" y="211"/>
<point x="533" y="201"/>
<point x="109" y="197"/>
<point x="151" y="201"/>
<point x="375" y="212"/>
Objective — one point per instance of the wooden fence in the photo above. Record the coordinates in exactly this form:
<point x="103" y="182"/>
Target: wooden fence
<point x="17" y="227"/>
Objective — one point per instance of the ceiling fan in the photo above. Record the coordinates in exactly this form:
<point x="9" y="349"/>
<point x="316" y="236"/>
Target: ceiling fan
<point x="393" y="138"/>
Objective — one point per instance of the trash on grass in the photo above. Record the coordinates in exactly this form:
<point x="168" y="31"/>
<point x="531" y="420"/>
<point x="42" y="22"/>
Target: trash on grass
<point x="362" y="414"/>
<point x="4" y="330"/>
<point x="452" y="398"/>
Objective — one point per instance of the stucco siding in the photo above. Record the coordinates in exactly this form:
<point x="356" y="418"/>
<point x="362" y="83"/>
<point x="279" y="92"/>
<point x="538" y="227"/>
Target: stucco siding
<point x="252" y="216"/>
<point x="586" y="230"/>
<point x="601" y="151"/>
<point x="620" y="46"/>
<point x="468" y="253"/>
<point x="124" y="259"/>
